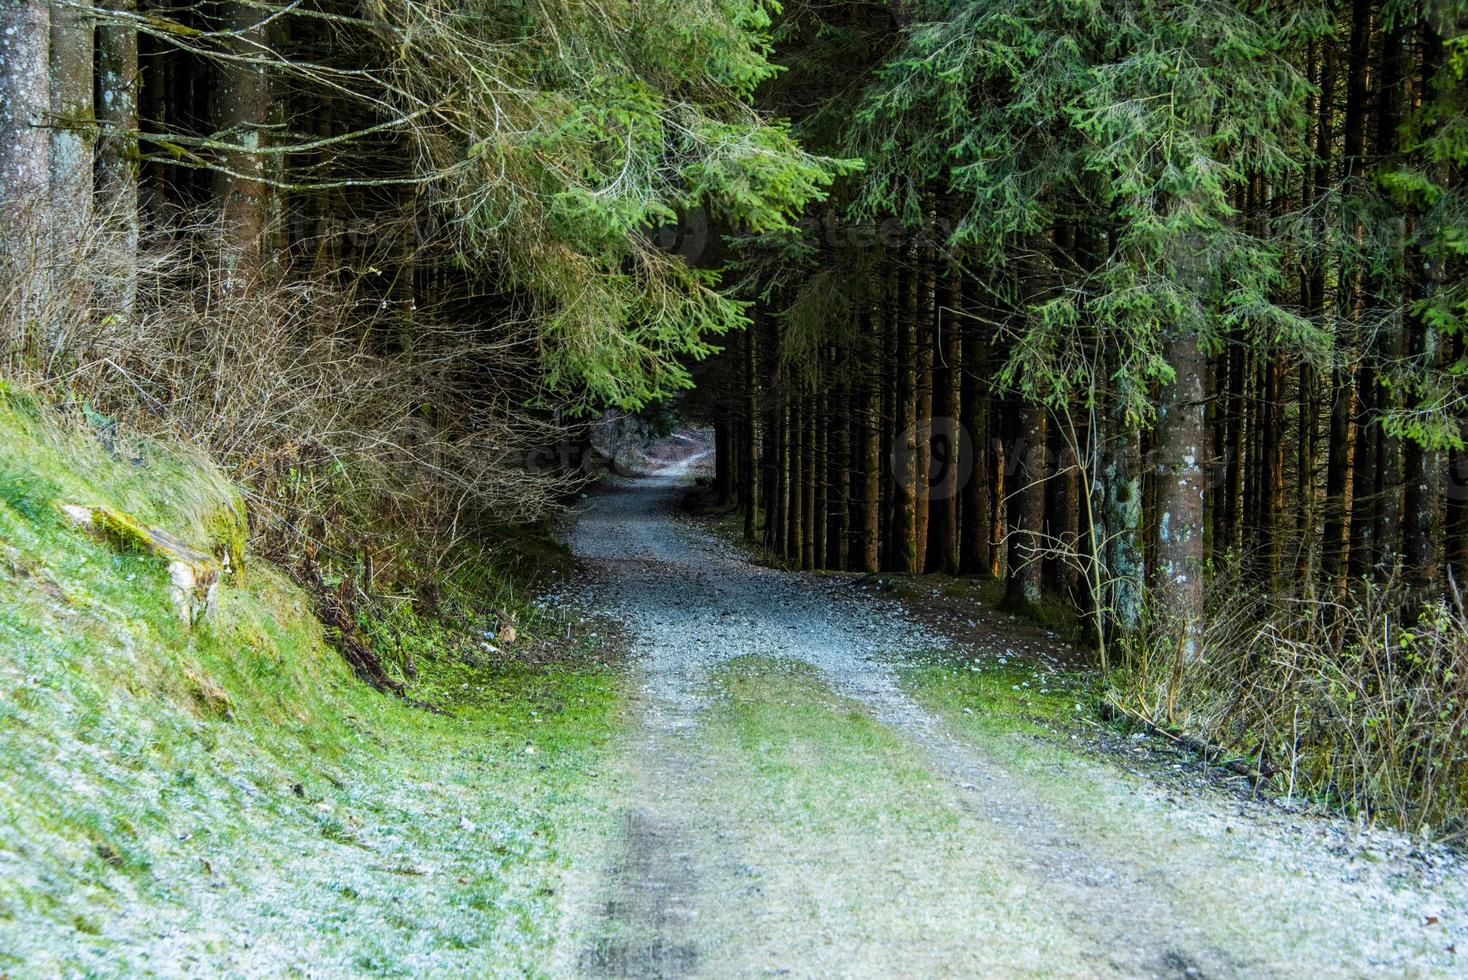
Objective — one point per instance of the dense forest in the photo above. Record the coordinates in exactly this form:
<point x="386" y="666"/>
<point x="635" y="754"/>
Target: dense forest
<point x="1155" y="289"/>
<point x="1154" y="311"/>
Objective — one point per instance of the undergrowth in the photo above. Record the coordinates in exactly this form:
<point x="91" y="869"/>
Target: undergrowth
<point x="1359" y="704"/>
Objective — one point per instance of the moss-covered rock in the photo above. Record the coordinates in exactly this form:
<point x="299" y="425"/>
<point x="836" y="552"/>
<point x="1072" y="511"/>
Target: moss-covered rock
<point x="194" y="574"/>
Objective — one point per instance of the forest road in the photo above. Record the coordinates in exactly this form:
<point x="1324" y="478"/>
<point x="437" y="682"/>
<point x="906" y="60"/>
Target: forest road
<point x="790" y="807"/>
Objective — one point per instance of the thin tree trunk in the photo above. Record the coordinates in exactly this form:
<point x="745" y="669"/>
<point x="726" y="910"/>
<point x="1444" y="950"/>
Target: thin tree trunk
<point x="838" y="475"/>
<point x="926" y="338"/>
<point x="906" y="425"/>
<point x="1234" y="438"/>
<point x="869" y="525"/>
<point x="779" y="514"/>
<point x="1455" y="551"/>
<point x="1423" y="280"/>
<point x="815" y="467"/>
<point x="890" y="415"/>
<point x="748" y="486"/>
<point x="1273" y="490"/>
<point x="795" y="509"/>
<point x="973" y="547"/>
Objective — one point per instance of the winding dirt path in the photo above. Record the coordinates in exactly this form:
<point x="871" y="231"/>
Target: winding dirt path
<point x="1058" y="865"/>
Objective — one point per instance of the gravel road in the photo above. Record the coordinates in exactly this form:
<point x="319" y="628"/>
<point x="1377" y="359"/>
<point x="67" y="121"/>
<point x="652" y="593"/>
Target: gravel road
<point x="1103" y="872"/>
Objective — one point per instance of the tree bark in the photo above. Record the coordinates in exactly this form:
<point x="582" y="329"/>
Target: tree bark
<point x="748" y="486"/>
<point x="814" y="470"/>
<point x="1180" y="440"/>
<point x="1423" y="279"/>
<point x="947" y="441"/>
<point x="1121" y="522"/>
<point x="869" y="523"/>
<point x="973" y="547"/>
<point x="25" y="103"/>
<point x="923" y="463"/>
<point x="795" y="508"/>
<point x="838" y="472"/>
<point x="1023" y="583"/>
<point x="72" y="121"/>
<point x="903" y="552"/>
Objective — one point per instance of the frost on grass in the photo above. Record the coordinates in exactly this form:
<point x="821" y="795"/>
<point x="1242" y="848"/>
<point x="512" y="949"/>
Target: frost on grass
<point x="230" y="800"/>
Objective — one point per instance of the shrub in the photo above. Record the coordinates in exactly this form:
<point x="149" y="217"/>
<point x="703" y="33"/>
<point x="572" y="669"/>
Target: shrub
<point x="1361" y="704"/>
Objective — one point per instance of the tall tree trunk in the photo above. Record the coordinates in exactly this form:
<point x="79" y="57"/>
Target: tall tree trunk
<point x="999" y="484"/>
<point x="1023" y="583"/>
<point x="869" y="530"/>
<point x="1315" y="295"/>
<point x="948" y="436"/>
<point x="926" y="338"/>
<point x="1339" y="504"/>
<point x="795" y="509"/>
<point x="1180" y="441"/>
<point x="838" y="473"/>
<point x="748" y="486"/>
<point x="815" y="466"/>
<point x="1122" y="514"/>
<point x="73" y="123"/>
<point x="769" y="494"/>
<point x="1062" y="521"/>
<point x="904" y="512"/>
<point x="118" y="81"/>
<point x="1273" y="489"/>
<point x="242" y="109"/>
<point x="1455" y="550"/>
<point x="778" y="520"/>
<point x="1423" y="280"/>
<point x="1350" y="446"/>
<point x="25" y="105"/>
<point x="973" y="546"/>
<point x="1375" y="510"/>
<point x="891" y="413"/>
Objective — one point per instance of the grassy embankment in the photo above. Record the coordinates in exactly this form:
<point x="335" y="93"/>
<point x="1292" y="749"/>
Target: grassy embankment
<point x="230" y="798"/>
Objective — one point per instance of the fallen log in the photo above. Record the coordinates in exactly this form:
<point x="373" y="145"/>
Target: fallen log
<point x="1209" y="752"/>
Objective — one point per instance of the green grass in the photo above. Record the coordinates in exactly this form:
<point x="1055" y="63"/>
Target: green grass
<point x="781" y="721"/>
<point x="838" y="816"/>
<point x="232" y="799"/>
<point x="1000" y="698"/>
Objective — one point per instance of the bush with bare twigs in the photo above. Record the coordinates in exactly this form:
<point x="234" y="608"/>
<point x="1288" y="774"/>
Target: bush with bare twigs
<point x="352" y="425"/>
<point x="1359" y="704"/>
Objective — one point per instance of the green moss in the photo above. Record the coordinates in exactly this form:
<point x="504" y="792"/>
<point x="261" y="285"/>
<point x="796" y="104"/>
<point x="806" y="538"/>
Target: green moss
<point x="228" y="533"/>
